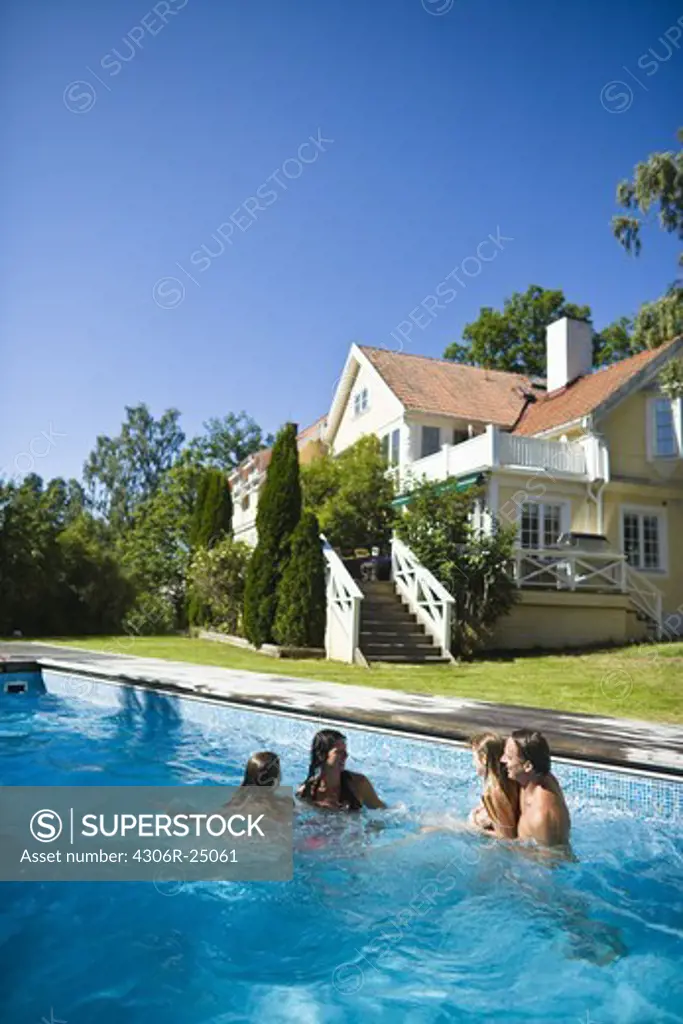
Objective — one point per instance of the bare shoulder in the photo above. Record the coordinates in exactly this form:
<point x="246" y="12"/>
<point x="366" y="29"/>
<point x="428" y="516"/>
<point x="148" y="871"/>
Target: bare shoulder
<point x="364" y="790"/>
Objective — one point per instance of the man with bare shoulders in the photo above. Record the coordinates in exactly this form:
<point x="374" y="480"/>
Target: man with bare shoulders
<point x="543" y="812"/>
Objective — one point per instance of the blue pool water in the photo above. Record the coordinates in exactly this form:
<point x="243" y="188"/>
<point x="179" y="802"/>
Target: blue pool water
<point x="377" y="926"/>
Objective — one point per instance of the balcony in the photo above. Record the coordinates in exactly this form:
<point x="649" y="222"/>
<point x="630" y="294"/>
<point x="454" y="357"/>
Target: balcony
<point x="583" y="460"/>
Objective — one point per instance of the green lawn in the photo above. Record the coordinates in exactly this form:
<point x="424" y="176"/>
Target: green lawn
<point x="635" y="682"/>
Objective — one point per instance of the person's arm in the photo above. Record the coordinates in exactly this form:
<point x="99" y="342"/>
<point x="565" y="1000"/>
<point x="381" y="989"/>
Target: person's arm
<point x="365" y="792"/>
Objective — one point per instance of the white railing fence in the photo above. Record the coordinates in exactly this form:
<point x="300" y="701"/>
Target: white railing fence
<point x="344" y="598"/>
<point x="589" y="571"/>
<point x="644" y="594"/>
<point x="534" y="453"/>
<point x="425" y="596"/>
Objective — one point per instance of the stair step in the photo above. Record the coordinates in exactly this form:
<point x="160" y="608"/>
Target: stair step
<point x="397" y="646"/>
<point x="385" y="632"/>
<point x="417" y="659"/>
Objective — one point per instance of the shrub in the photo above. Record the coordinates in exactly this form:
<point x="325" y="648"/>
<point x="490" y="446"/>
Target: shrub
<point x="216" y="579"/>
<point x="474" y="567"/>
<point x="301" y="611"/>
<point x="351" y="494"/>
<point x="278" y="513"/>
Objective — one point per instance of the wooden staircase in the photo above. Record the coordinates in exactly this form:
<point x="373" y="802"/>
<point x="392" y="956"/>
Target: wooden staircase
<point x="390" y="632"/>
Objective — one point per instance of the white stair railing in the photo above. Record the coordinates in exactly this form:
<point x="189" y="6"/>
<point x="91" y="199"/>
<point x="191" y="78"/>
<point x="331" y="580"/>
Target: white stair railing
<point x="425" y="596"/>
<point x="644" y="595"/>
<point x="344" y="598"/>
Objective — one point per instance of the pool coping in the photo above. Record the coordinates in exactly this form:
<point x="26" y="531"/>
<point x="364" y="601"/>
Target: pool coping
<point x="649" y="748"/>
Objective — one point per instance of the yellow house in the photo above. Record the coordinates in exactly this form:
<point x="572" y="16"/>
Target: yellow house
<point x="587" y="464"/>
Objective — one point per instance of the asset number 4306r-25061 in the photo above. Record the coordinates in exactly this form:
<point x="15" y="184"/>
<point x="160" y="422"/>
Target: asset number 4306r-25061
<point x="191" y="856"/>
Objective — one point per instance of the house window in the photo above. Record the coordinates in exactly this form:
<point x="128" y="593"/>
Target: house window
<point x="479" y="517"/>
<point x="361" y="402"/>
<point x="395" y="447"/>
<point x="541" y="524"/>
<point x="665" y="428"/>
<point x="460" y="435"/>
<point x="643" y="540"/>
<point x="431" y="441"/>
<point x="384" y="444"/>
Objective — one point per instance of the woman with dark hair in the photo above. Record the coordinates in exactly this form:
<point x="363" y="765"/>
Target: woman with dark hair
<point x="263" y="769"/>
<point x="498" y="811"/>
<point x="329" y="784"/>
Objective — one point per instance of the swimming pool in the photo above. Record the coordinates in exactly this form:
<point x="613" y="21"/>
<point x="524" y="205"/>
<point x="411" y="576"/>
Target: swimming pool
<point x="377" y="926"/>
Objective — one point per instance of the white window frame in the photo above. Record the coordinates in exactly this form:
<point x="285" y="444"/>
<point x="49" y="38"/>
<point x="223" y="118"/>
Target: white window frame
<point x="648" y="510"/>
<point x="361" y="402"/>
<point x="677" y="404"/>
<point x="565" y="517"/>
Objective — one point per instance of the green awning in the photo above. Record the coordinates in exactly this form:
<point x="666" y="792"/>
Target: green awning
<point x="453" y="483"/>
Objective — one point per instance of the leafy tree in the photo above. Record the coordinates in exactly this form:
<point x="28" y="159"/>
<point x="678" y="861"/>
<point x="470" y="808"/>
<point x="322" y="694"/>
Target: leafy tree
<point x="515" y="339"/>
<point x="94" y="593"/>
<point x="124" y="471"/>
<point x="351" y="494"/>
<point x="301" y="599"/>
<point x="279" y="511"/>
<point x="474" y="567"/>
<point x="657" y="182"/>
<point x="58" y="574"/>
<point x="229" y="440"/>
<point x="212" y="518"/>
<point x="216" y="581"/>
<point x="155" y="550"/>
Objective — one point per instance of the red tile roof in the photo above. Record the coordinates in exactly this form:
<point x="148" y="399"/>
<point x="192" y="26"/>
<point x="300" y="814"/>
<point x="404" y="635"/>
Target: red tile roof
<point x="583" y="395"/>
<point x="441" y="387"/>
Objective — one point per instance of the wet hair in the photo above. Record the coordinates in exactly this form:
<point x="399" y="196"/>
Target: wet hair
<point x="533" y="747"/>
<point x="322" y="744"/>
<point x="490" y="746"/>
<point x="263" y="769"/>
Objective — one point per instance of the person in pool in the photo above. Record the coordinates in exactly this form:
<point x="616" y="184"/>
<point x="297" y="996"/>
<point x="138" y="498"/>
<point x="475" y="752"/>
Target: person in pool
<point x="260" y="783"/>
<point x="498" y="811"/>
<point x="544" y="816"/>
<point x="329" y="784"/>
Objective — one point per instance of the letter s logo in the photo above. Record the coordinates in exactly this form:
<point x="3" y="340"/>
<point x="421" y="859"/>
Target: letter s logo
<point x="46" y="826"/>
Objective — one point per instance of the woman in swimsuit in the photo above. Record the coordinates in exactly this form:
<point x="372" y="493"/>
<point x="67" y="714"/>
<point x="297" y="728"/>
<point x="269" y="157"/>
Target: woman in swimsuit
<point x="498" y="812"/>
<point x="328" y="784"/>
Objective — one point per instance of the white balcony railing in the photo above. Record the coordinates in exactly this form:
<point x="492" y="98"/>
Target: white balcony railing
<point x="586" y="459"/>
<point x="426" y="597"/>
<point x="344" y="598"/>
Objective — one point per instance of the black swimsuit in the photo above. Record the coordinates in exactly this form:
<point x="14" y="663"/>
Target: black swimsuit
<point x="348" y="801"/>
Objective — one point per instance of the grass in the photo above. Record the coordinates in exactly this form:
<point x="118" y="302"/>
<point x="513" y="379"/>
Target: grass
<point x="644" y="682"/>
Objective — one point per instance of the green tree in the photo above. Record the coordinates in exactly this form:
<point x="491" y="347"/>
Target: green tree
<point x="515" y="339"/>
<point x="279" y="511"/>
<point x="301" y="600"/>
<point x="474" y="567"/>
<point x="657" y="183"/>
<point x="124" y="471"/>
<point x="351" y="494"/>
<point x="155" y="550"/>
<point x="228" y="440"/>
<point x="216" y="580"/>
<point x="212" y="518"/>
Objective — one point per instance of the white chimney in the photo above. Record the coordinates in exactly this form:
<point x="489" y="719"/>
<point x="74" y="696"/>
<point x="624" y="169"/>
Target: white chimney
<point x="569" y="351"/>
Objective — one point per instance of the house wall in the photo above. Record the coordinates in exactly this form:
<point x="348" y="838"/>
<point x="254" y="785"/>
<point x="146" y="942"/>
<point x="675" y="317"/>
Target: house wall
<point x="626" y="431"/>
<point x="513" y="491"/>
<point x="562" y="619"/>
<point x="384" y="412"/>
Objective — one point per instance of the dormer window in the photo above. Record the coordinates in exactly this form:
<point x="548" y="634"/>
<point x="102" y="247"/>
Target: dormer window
<point x="361" y="402"/>
<point x="664" y="428"/>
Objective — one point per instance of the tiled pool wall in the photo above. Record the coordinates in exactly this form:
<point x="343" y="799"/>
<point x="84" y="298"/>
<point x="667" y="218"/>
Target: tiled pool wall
<point x="648" y="797"/>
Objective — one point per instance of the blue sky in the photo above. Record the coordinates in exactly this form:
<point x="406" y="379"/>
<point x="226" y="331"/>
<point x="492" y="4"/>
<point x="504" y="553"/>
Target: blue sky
<point x="133" y="134"/>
